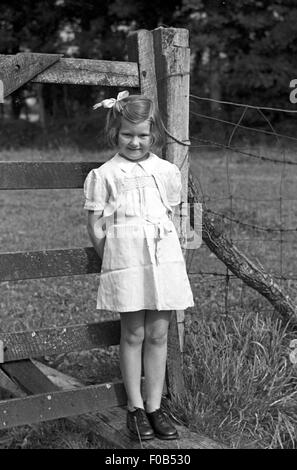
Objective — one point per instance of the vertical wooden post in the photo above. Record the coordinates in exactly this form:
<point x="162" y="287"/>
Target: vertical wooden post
<point x="1" y="352"/>
<point x="172" y="64"/>
<point x="141" y="50"/>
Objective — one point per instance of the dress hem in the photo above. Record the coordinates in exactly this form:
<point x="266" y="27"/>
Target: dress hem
<point x="133" y="309"/>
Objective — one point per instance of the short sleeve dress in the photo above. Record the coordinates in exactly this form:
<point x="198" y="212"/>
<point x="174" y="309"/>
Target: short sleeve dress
<point x="143" y="266"/>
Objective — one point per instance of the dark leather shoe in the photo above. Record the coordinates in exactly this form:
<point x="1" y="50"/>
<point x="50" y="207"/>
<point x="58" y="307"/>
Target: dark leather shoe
<point x="139" y="425"/>
<point x="162" y="425"/>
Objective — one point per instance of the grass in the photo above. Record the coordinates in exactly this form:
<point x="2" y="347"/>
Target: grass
<point x="240" y="381"/>
<point x="241" y="386"/>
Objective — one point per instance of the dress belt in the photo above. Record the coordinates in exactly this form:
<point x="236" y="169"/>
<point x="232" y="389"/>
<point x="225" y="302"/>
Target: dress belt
<point x="162" y="228"/>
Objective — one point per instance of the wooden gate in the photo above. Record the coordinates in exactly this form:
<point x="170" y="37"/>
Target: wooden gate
<point x="159" y="66"/>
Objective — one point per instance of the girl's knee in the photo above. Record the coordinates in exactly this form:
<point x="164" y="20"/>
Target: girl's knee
<point x="156" y="338"/>
<point x="132" y="328"/>
<point x="133" y="337"/>
<point x="156" y="327"/>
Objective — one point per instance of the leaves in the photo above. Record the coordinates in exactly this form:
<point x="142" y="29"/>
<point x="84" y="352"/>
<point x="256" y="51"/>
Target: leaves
<point x="258" y="43"/>
<point x="244" y="50"/>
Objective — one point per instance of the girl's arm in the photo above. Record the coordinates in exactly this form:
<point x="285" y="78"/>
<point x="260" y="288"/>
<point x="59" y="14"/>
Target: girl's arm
<point x="175" y="216"/>
<point x="179" y="221"/>
<point x="96" y="233"/>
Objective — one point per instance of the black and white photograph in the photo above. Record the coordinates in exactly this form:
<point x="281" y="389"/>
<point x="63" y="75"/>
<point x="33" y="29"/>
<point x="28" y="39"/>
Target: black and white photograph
<point x="148" y="228"/>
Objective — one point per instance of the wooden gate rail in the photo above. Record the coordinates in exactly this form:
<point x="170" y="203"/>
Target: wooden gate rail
<point x="65" y="71"/>
<point x="44" y="175"/>
<point x="59" y="340"/>
<point x="58" y="404"/>
<point x="48" y="263"/>
<point x="38" y="396"/>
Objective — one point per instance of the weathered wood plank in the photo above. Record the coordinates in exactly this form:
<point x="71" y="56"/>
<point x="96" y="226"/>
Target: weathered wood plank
<point x="17" y="70"/>
<point x="29" y="377"/>
<point x="10" y="388"/>
<point x="110" y="423"/>
<point x="141" y="50"/>
<point x="86" y="72"/>
<point x="61" y="380"/>
<point x="53" y="405"/>
<point x="112" y="427"/>
<point x="44" y="175"/>
<point x="114" y="435"/>
<point x="60" y="340"/>
<point x="174" y="371"/>
<point x="91" y="72"/>
<point x="172" y="64"/>
<point x="48" y="263"/>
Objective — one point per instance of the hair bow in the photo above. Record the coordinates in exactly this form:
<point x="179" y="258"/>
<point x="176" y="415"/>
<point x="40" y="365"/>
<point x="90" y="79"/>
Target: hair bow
<point x="110" y="102"/>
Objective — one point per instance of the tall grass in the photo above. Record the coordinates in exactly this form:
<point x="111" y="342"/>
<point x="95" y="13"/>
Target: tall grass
<point x="241" y="385"/>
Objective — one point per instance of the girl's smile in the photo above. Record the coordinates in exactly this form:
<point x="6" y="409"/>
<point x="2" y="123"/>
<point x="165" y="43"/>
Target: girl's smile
<point x="134" y="140"/>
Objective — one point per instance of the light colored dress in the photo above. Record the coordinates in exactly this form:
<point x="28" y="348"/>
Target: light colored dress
<point x="143" y="266"/>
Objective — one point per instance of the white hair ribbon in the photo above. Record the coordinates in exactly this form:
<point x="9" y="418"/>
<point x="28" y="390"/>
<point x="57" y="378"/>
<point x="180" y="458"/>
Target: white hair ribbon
<point x="110" y="102"/>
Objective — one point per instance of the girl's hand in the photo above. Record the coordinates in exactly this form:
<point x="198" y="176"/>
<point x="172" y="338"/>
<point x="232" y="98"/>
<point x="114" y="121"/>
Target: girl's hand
<point x="95" y="231"/>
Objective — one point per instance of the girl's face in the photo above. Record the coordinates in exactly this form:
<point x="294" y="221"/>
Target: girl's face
<point x="134" y="140"/>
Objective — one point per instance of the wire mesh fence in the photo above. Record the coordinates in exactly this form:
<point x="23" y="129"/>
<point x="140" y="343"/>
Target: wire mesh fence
<point x="250" y="189"/>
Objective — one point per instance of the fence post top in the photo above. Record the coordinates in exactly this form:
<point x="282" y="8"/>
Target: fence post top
<point x="172" y="37"/>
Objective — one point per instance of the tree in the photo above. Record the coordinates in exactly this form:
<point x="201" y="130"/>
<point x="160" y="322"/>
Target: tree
<point x="250" y="46"/>
<point x="87" y="29"/>
<point x="244" y="50"/>
<point x="29" y="25"/>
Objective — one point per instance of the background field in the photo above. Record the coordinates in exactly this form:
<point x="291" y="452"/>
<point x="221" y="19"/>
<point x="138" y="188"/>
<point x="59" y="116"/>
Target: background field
<point x="237" y="353"/>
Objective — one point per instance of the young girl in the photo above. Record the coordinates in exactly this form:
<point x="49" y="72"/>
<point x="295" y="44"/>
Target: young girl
<point x="130" y="200"/>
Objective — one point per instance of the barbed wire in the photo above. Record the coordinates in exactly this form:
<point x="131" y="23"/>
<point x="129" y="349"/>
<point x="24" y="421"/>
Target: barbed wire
<point x="249" y="199"/>
<point x="280" y="230"/>
<point x="283" y="161"/>
<point x="241" y="152"/>
<point x="243" y="105"/>
<point x="254" y="129"/>
<point x="253" y="226"/>
<point x="209" y="198"/>
<point x="254" y="241"/>
<point x="234" y="277"/>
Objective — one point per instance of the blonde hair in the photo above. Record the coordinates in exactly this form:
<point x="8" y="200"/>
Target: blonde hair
<point x="135" y="109"/>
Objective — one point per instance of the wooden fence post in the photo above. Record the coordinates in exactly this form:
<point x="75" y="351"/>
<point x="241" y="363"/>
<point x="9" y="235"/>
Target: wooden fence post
<point x="141" y="50"/>
<point x="172" y="65"/>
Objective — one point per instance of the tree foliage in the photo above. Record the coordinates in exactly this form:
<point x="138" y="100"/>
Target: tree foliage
<point x="253" y="43"/>
<point x="243" y="50"/>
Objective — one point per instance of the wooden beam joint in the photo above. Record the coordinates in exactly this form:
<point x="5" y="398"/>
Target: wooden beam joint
<point x="17" y="70"/>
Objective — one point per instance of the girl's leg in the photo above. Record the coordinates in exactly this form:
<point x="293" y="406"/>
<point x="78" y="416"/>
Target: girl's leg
<point x="132" y="335"/>
<point x="155" y="354"/>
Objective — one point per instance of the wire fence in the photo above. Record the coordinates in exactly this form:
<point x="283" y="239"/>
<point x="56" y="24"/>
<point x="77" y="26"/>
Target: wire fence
<point x="278" y="237"/>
